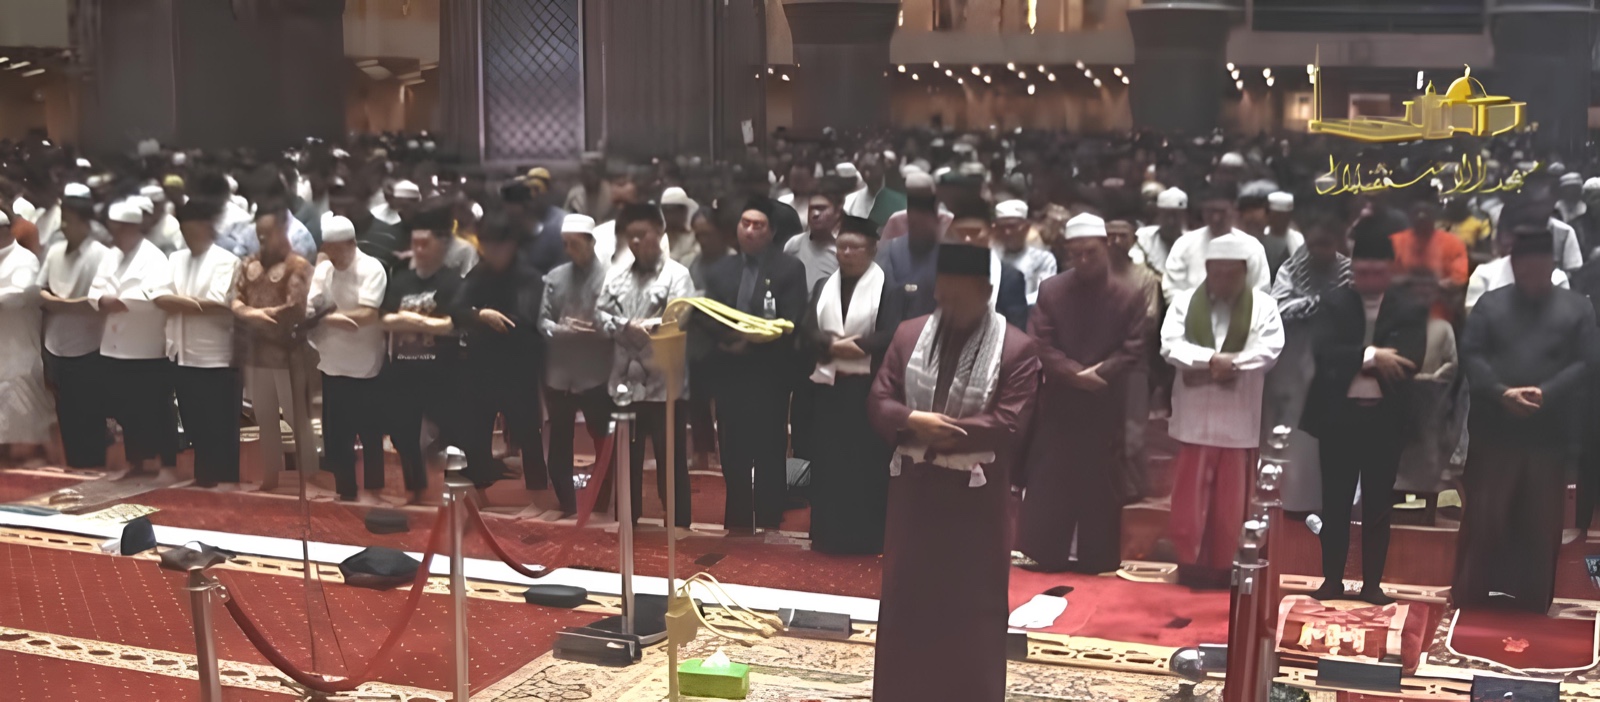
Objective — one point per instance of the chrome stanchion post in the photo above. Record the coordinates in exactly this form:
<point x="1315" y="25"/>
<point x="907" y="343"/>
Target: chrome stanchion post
<point x="457" y="490"/>
<point x="201" y="586"/>
<point x="624" y="472"/>
<point x="1250" y="651"/>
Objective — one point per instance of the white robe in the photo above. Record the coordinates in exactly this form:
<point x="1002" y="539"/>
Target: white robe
<point x="1209" y="414"/>
<point x="26" y="410"/>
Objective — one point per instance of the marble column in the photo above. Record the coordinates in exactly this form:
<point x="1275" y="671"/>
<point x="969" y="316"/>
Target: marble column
<point x="1544" y="56"/>
<point x="212" y="74"/>
<point x="1180" y="63"/>
<point x="842" y="48"/>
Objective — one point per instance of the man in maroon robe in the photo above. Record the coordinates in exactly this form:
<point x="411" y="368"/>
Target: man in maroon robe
<point x="953" y="396"/>
<point x="1089" y="327"/>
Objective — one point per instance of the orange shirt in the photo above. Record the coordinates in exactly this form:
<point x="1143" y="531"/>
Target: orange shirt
<point x="1442" y="253"/>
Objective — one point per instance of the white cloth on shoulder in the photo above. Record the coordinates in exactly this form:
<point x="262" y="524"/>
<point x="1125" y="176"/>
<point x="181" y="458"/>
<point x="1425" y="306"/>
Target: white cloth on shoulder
<point x="857" y="322"/>
<point x="976" y="377"/>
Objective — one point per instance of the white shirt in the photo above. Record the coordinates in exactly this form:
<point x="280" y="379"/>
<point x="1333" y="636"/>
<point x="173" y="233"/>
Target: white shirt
<point x="386" y="213"/>
<point x="1035" y="263"/>
<point x="1151" y="249"/>
<point x="1210" y="414"/>
<point x="1569" y="255"/>
<point x="350" y="354"/>
<point x="19" y="335"/>
<point x="630" y="295"/>
<point x="801" y="206"/>
<point x="69" y="275"/>
<point x="167" y="236"/>
<point x="1294" y="239"/>
<point x="860" y="202"/>
<point x="821" y="259"/>
<point x="1497" y="274"/>
<point x="1186" y="264"/>
<point x="48" y="220"/>
<point x="137" y="278"/>
<point x="202" y="339"/>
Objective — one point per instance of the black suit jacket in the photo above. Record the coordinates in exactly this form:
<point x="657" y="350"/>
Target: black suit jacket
<point x="1338" y="330"/>
<point x="892" y="310"/>
<point x="759" y="364"/>
<point x="1012" y="302"/>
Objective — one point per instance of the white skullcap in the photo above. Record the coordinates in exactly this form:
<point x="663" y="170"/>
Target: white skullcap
<point x="1592" y="185"/>
<point x="84" y="163"/>
<point x="180" y="158"/>
<point x="1280" y="202"/>
<point x="1150" y="189"/>
<point x="1011" y="208"/>
<point x="477" y="211"/>
<point x="76" y="190"/>
<point x="1085" y="226"/>
<point x="412" y="144"/>
<point x="846" y="170"/>
<point x="145" y="204"/>
<point x="578" y="224"/>
<point x="1229" y="247"/>
<point x="154" y="192"/>
<point x="339" y="153"/>
<point x="1232" y="159"/>
<point x="233" y="184"/>
<point x="909" y="168"/>
<point x="1571" y="179"/>
<point x="407" y="190"/>
<point x="96" y="181"/>
<point x="336" y="229"/>
<point x="675" y="196"/>
<point x="973" y="168"/>
<point x="148" y="147"/>
<point x="1172" y="199"/>
<point x="126" y="212"/>
<point x="920" y="182"/>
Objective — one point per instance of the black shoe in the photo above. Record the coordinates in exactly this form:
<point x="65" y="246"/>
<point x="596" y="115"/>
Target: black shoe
<point x="1375" y="596"/>
<point x="1330" y="590"/>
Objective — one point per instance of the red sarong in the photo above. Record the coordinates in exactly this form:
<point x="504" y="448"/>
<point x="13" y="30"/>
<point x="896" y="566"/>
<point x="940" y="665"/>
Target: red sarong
<point x="1210" y="493"/>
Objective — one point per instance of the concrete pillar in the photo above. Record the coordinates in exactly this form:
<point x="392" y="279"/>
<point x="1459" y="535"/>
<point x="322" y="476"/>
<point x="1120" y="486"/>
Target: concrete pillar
<point x="842" y="48"/>
<point x="1179" y="66"/>
<point x="460" y="123"/>
<point x="1543" y="56"/>
<point x="202" y="73"/>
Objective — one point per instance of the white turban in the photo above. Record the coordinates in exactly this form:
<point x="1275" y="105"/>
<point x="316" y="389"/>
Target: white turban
<point x="1011" y="208"/>
<point x="336" y="229"/>
<point x="1229" y="247"/>
<point x="1086" y="225"/>
<point x="1172" y="199"/>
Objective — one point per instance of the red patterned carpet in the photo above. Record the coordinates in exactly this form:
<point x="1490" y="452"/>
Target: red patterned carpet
<point x="25" y="678"/>
<point x="132" y="602"/>
<point x="21" y="486"/>
<point x="1121" y="610"/>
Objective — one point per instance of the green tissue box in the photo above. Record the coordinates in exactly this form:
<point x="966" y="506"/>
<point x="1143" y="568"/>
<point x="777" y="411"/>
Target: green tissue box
<point x="730" y="682"/>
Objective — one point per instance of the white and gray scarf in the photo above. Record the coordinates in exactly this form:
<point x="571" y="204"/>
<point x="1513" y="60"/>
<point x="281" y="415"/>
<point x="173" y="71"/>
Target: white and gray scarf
<point x="857" y="322"/>
<point x="976" y="377"/>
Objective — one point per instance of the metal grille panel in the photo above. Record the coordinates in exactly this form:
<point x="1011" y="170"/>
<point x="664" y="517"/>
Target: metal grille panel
<point x="532" y="80"/>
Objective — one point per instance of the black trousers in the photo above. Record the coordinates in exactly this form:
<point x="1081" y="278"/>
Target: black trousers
<point x="209" y="400"/>
<point x="802" y="421"/>
<point x="414" y="390"/>
<point x="141" y="402"/>
<point x="564" y="406"/>
<point x="81" y="409"/>
<point x="350" y="411"/>
<point x="1510" y="539"/>
<point x="650" y="422"/>
<point x="752" y="415"/>
<point x="1363" y="445"/>
<point x="702" y="423"/>
<point x="493" y="388"/>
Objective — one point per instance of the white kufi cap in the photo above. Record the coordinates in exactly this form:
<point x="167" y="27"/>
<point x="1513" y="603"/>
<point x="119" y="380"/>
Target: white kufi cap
<point x="1592" y="185"/>
<point x="846" y="170"/>
<point x="675" y="196"/>
<point x="336" y="229"/>
<point x="407" y="190"/>
<point x="76" y="190"/>
<point x="1232" y="159"/>
<point x="154" y="192"/>
<point x="1011" y="208"/>
<point x="1229" y="247"/>
<point x="1172" y="199"/>
<point x="1280" y="202"/>
<point x="1086" y="225"/>
<point x="126" y="212"/>
<point x="578" y="224"/>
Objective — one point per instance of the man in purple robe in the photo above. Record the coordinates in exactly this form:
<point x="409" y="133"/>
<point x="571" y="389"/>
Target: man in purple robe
<point x="1090" y="328"/>
<point x="952" y="397"/>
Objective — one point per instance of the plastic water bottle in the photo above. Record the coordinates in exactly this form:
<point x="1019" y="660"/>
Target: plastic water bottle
<point x="769" y="306"/>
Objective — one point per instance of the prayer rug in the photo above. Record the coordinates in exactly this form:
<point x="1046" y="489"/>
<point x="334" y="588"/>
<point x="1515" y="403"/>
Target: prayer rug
<point x="1442" y="662"/>
<point x="1115" y="609"/>
<point x="1525" y="641"/>
<point x="91" y="495"/>
<point x="786" y="669"/>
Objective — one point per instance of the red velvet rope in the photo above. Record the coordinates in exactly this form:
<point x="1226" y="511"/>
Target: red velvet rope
<point x="318" y="682"/>
<point x="500" y="551"/>
<point x="597" y="480"/>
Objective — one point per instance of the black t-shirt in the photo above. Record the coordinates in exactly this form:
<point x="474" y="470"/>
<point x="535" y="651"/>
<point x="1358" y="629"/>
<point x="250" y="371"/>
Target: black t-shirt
<point x="432" y="297"/>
